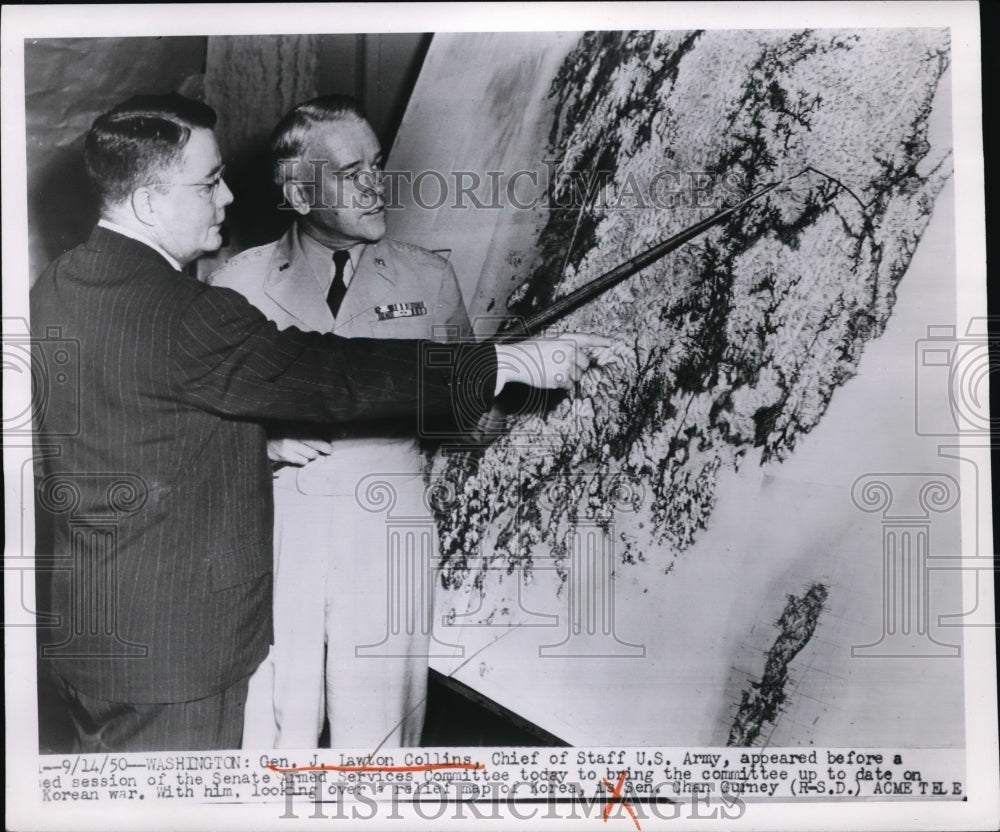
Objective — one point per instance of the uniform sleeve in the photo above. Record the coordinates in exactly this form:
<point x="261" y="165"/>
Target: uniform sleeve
<point x="226" y="357"/>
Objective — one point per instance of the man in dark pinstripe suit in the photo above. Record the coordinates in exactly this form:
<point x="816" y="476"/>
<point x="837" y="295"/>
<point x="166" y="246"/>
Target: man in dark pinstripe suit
<point x="154" y="484"/>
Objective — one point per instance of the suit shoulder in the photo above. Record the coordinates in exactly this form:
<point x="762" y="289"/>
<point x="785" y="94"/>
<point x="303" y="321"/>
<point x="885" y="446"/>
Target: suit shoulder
<point x="417" y="255"/>
<point x="231" y="273"/>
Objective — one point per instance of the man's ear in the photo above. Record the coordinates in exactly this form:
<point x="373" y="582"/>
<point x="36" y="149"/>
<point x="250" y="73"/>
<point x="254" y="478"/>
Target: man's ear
<point x="142" y="206"/>
<point x="297" y="194"/>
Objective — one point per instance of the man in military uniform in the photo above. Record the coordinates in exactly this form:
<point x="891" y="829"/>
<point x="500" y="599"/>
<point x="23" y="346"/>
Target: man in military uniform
<point x="334" y="271"/>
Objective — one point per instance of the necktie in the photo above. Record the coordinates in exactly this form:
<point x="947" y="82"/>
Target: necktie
<point x="338" y="288"/>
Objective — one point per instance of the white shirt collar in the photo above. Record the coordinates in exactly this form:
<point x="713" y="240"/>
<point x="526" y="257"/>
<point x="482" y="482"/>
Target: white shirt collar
<point x="139" y="237"/>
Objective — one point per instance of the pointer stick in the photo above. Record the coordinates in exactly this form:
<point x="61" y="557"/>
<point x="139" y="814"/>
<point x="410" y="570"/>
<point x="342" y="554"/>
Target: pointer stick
<point x="600" y="284"/>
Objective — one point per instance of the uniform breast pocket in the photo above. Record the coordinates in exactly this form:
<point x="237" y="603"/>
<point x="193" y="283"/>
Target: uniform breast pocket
<point x="411" y="326"/>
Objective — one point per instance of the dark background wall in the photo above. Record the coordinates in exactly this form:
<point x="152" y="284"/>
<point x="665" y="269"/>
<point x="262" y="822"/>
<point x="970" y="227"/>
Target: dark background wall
<point x="250" y="80"/>
<point x="68" y="83"/>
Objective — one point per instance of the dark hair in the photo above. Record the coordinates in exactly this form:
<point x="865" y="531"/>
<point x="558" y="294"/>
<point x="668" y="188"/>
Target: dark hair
<point x="132" y="144"/>
<point x="291" y="135"/>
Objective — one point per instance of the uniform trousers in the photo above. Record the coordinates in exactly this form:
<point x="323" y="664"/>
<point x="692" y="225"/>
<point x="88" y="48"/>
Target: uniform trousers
<point x="340" y="583"/>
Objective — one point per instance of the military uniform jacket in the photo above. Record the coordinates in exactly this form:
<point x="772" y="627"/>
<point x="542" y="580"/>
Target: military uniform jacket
<point x="397" y="290"/>
<point x="154" y="488"/>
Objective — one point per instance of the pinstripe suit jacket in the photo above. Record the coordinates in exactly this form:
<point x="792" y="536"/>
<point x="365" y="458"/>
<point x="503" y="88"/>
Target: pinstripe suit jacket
<point x="153" y="478"/>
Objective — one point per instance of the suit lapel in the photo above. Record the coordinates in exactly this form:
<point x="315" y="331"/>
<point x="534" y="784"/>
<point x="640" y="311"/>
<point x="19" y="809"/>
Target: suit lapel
<point x="291" y="283"/>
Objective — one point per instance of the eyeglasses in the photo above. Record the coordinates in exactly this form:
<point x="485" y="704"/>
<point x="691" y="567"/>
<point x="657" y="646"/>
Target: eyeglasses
<point x="208" y="189"/>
